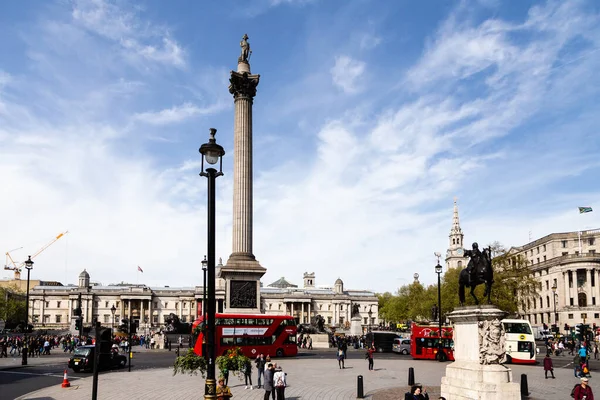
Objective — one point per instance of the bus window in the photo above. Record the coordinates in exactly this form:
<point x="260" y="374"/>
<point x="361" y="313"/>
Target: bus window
<point x="291" y="339"/>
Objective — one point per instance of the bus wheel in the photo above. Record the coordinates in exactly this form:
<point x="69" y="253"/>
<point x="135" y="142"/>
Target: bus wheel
<point x="441" y="356"/>
<point x="279" y="353"/>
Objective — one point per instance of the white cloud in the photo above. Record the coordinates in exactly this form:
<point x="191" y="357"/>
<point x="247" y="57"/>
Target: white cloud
<point x="346" y="73"/>
<point x="369" y="41"/>
<point x="176" y="114"/>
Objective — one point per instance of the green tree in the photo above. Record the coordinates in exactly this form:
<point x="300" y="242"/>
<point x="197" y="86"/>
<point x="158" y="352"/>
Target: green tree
<point x="12" y="306"/>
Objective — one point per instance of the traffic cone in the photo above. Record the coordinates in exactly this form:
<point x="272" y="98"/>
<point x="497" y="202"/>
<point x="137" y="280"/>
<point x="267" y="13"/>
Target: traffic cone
<point x="66" y="383"/>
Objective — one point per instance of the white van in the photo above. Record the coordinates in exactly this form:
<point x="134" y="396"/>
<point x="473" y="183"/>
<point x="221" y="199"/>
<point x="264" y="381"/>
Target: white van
<point x="401" y="346"/>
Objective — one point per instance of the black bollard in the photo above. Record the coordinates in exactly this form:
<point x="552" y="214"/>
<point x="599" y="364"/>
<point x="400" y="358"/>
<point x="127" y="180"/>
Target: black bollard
<point x="411" y="376"/>
<point x="360" y="394"/>
<point x="524" y="386"/>
<point x="169" y="345"/>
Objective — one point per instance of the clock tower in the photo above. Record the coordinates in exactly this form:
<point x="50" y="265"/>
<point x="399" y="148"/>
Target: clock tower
<point x="455" y="255"/>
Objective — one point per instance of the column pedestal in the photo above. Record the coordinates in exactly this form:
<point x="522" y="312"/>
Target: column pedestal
<point x="477" y="373"/>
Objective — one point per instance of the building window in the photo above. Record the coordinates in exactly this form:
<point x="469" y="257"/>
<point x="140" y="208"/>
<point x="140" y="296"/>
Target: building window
<point x="544" y="248"/>
<point x="166" y="304"/>
<point x="547" y="300"/>
<point x="581" y="278"/>
<point x="582" y="300"/>
<point x="46" y="318"/>
<point x="591" y="241"/>
<point x="155" y="319"/>
<point x="329" y="308"/>
<point x="544" y="258"/>
<point x="592" y="251"/>
<point x="570" y="316"/>
<point x="564" y="244"/>
<point x="341" y="321"/>
<point x="270" y="306"/>
<point x="596" y="315"/>
<point x="593" y="301"/>
<point x="183" y="318"/>
<point x="459" y="264"/>
<point x="58" y="304"/>
<point x="106" y="319"/>
<point x="96" y="304"/>
<point x="538" y="250"/>
<point x="531" y="252"/>
<point x="329" y="320"/>
<point x="542" y="318"/>
<point x="47" y="304"/>
<point x="538" y="260"/>
<point x="576" y="252"/>
<point x="571" y="301"/>
<point x="117" y="304"/>
<point x="547" y="285"/>
<point x="534" y="304"/>
<point x="280" y="306"/>
<point x="535" y="318"/>
<point x="106" y="304"/>
<point x="57" y="319"/>
<point x="565" y="253"/>
<point x="320" y="306"/>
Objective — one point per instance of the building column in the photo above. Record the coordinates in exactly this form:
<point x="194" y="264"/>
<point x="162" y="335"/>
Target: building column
<point x="309" y="319"/>
<point x="302" y="312"/>
<point x="122" y="310"/>
<point x="150" y="312"/>
<point x="567" y="294"/>
<point x="129" y="309"/>
<point x="141" y="311"/>
<point x="588" y="286"/>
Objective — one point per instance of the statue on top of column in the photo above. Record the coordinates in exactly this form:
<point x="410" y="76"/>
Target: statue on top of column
<point x="246" y="52"/>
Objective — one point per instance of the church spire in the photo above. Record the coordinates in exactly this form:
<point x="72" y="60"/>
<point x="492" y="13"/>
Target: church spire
<point x="456" y="234"/>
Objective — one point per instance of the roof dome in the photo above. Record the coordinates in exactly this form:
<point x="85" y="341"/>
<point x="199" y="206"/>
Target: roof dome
<point x="339" y="282"/>
<point x="84" y="274"/>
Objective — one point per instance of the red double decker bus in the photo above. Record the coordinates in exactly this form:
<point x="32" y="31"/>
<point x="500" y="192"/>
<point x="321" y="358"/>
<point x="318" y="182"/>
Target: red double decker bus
<point x="255" y="334"/>
<point x="425" y="339"/>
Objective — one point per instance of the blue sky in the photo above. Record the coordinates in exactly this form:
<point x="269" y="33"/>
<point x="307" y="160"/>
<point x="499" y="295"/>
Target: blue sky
<point x="370" y="117"/>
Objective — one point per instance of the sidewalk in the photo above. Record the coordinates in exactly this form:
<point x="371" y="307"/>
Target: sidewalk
<point x="308" y="379"/>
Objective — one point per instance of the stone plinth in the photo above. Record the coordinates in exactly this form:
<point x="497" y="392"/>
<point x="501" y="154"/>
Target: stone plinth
<point x="320" y="340"/>
<point x="467" y="377"/>
<point x="355" y="326"/>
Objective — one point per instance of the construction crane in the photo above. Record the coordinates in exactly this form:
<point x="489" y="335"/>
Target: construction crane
<point x="13" y="266"/>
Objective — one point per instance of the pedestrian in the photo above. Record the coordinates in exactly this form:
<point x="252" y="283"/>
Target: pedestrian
<point x="340" y="358"/>
<point x="577" y="366"/>
<point x="260" y="368"/>
<point x="583" y="391"/>
<point x="369" y="357"/>
<point x="248" y="374"/>
<point x="268" y="383"/>
<point x="548" y="366"/>
<point x="595" y="351"/>
<point x="280" y="382"/>
<point x="223" y="391"/>
<point x="417" y="393"/>
<point x="309" y="342"/>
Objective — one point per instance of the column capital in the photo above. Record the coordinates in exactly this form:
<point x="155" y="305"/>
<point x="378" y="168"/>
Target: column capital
<point x="243" y="84"/>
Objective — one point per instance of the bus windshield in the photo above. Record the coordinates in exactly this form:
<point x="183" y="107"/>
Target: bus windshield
<point x="517" y="327"/>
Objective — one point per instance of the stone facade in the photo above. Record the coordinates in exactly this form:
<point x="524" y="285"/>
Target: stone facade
<point x="570" y="262"/>
<point x="52" y="307"/>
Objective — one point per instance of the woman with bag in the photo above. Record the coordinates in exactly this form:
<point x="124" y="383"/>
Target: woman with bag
<point x="280" y="383"/>
<point x="340" y="357"/>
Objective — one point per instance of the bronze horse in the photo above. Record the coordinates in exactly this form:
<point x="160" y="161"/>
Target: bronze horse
<point x="478" y="271"/>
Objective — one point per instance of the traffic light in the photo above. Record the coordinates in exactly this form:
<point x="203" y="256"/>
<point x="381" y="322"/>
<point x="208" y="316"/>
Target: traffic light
<point x="124" y="327"/>
<point x="566" y="327"/>
<point x="79" y="324"/>
<point x="578" y="330"/>
<point x="133" y="326"/>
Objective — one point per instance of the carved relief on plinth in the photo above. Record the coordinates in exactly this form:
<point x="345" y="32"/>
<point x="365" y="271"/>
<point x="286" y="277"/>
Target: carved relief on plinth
<point x="242" y="294"/>
<point x="243" y="84"/>
<point x="491" y="342"/>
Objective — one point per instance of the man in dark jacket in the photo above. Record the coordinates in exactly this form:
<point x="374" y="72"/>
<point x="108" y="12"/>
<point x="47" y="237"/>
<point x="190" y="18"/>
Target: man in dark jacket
<point x="270" y="371"/>
<point x="260" y="367"/>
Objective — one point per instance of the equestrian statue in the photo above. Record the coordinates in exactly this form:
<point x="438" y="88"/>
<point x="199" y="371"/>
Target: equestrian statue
<point x="478" y="271"/>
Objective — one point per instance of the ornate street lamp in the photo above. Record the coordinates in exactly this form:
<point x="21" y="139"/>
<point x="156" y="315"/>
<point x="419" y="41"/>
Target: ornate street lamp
<point x="204" y="269"/>
<point x="370" y="313"/>
<point x="213" y="154"/>
<point x="438" y="271"/>
<point x="554" y="287"/>
<point x="29" y="266"/>
<point x="113" y="310"/>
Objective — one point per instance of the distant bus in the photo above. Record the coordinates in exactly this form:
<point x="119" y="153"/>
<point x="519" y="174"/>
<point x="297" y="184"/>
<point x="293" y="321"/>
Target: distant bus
<point x="382" y="340"/>
<point x="519" y="341"/>
<point x="273" y="335"/>
<point x="425" y="341"/>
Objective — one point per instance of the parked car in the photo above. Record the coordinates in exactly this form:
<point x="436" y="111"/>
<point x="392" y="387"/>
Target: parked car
<point x="83" y="359"/>
<point x="401" y="346"/>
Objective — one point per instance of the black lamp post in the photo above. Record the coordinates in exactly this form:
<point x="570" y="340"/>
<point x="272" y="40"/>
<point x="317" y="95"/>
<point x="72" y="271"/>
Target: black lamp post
<point x="204" y="269"/>
<point x="113" y="310"/>
<point x="554" y="287"/>
<point x="370" y="313"/>
<point x="29" y="266"/>
<point x="212" y="153"/>
<point x="438" y="271"/>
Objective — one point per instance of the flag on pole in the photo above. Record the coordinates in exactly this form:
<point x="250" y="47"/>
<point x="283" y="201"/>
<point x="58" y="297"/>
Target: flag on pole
<point x="583" y="210"/>
<point x="140" y="269"/>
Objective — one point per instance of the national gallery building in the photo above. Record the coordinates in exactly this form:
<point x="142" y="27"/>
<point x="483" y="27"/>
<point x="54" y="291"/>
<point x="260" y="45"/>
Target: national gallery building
<point x="52" y="307"/>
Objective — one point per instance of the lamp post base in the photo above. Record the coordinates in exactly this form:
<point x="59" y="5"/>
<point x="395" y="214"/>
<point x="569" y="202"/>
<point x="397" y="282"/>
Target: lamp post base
<point x="210" y="389"/>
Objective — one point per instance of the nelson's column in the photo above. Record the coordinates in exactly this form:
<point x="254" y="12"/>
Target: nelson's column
<point x="242" y="271"/>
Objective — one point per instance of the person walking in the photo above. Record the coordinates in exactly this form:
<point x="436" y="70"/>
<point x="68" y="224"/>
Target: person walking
<point x="280" y="383"/>
<point x="268" y="383"/>
<point x="548" y="366"/>
<point x="260" y="367"/>
<point x="248" y="374"/>
<point x="370" y="357"/>
<point x="583" y="391"/>
<point x="340" y="357"/>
